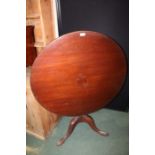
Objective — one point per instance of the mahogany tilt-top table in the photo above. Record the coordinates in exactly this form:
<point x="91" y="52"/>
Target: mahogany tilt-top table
<point x="78" y="73"/>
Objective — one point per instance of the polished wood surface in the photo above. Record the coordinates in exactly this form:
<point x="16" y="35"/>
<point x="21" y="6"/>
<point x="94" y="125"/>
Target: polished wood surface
<point x="78" y="73"/>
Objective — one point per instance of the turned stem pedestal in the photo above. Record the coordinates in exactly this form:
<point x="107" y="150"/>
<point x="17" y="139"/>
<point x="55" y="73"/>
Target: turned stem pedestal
<point x="81" y="119"/>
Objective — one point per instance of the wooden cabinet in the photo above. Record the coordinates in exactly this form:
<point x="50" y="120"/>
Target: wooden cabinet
<point x="42" y="15"/>
<point x="39" y="121"/>
<point x="41" y="22"/>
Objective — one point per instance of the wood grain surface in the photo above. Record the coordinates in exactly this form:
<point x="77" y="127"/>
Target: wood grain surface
<point x="39" y="121"/>
<point x="78" y="73"/>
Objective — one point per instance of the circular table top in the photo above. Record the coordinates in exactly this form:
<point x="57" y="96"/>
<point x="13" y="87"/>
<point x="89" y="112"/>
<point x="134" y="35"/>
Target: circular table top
<point x="78" y="73"/>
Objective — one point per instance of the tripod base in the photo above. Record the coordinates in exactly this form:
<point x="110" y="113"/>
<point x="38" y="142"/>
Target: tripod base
<point x="79" y="119"/>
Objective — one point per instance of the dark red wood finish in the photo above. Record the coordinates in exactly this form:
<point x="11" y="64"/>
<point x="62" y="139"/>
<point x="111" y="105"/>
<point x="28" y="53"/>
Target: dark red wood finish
<point x="31" y="52"/>
<point x="78" y="73"/>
